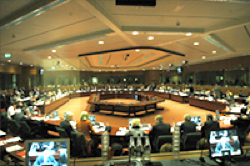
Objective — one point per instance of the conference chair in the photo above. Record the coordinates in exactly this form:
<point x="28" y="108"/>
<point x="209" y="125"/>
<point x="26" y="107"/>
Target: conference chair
<point x="4" y="121"/>
<point x="191" y="140"/>
<point x="14" y="127"/>
<point x="79" y="145"/>
<point x="25" y="131"/>
<point x="243" y="139"/>
<point x="62" y="132"/>
<point x="161" y="140"/>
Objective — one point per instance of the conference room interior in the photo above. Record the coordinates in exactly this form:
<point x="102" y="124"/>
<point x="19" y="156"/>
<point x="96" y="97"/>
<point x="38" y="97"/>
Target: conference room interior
<point x="82" y="49"/>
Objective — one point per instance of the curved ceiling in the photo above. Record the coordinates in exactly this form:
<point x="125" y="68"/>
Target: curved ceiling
<point x="202" y="30"/>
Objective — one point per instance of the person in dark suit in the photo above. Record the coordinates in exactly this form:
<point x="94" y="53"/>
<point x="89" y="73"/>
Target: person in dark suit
<point x="187" y="126"/>
<point x="209" y="125"/>
<point x="158" y="129"/>
<point x="242" y="123"/>
<point x="65" y="124"/>
<point x="217" y="92"/>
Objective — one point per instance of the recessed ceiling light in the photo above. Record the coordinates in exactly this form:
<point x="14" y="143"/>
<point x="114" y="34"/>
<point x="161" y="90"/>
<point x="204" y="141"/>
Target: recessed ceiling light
<point x="196" y="43"/>
<point x="135" y="33"/>
<point x="49" y="57"/>
<point x="213" y="52"/>
<point x="53" y="68"/>
<point x="143" y="69"/>
<point x="8" y="60"/>
<point x="31" y="65"/>
<point x="203" y="57"/>
<point x="125" y="70"/>
<point x="100" y="70"/>
<point x="151" y="38"/>
<point x="137" y="50"/>
<point x="101" y="42"/>
<point x="188" y="34"/>
<point x="53" y="50"/>
<point x="21" y="63"/>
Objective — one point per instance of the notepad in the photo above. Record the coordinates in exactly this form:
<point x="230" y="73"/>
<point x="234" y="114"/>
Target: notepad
<point x="13" y="148"/>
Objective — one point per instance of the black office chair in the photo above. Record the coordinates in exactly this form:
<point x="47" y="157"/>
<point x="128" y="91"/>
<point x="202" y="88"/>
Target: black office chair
<point x="25" y="131"/>
<point x="14" y="127"/>
<point x="3" y="121"/>
<point x="161" y="140"/>
<point x="79" y="145"/>
<point x="191" y="140"/>
<point x="62" y="132"/>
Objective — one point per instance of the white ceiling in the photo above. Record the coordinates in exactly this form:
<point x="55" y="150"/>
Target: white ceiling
<point x="30" y="31"/>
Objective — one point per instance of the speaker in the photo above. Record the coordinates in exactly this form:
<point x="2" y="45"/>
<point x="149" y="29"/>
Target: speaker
<point x="136" y="2"/>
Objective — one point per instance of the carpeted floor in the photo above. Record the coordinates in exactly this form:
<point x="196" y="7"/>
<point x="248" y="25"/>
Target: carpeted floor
<point x="173" y="112"/>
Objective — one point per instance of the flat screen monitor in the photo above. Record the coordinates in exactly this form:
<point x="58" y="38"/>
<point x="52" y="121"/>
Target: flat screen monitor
<point x="47" y="152"/>
<point x="136" y="97"/>
<point x="92" y="119"/>
<point x="224" y="143"/>
<point x="196" y="120"/>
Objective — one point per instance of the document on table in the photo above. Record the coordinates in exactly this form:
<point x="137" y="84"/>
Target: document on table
<point x="2" y="133"/>
<point x="13" y="148"/>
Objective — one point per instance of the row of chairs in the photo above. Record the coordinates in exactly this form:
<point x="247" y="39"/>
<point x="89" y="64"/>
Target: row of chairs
<point x="189" y="142"/>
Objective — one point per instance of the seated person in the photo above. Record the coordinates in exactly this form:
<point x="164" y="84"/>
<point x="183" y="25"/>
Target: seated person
<point x="209" y="125"/>
<point x="187" y="126"/>
<point x="65" y="124"/>
<point x="158" y="129"/>
<point x="85" y="126"/>
<point x="242" y="123"/>
<point x="136" y="129"/>
<point x="11" y="110"/>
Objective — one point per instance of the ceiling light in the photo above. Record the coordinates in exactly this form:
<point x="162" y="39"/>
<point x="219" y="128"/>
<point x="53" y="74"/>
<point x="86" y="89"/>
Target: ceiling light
<point x="66" y="65"/>
<point x="135" y="33"/>
<point x="170" y="64"/>
<point x="196" y="43"/>
<point x="188" y="34"/>
<point x="8" y="60"/>
<point x="137" y="50"/>
<point x="21" y="63"/>
<point x="31" y="65"/>
<point x="125" y="70"/>
<point x="53" y="50"/>
<point x="49" y="57"/>
<point x="203" y="57"/>
<point x="143" y="69"/>
<point x="53" y="68"/>
<point x="154" y="68"/>
<point x="151" y="38"/>
<point x="100" y="70"/>
<point x="101" y="42"/>
<point x="213" y="52"/>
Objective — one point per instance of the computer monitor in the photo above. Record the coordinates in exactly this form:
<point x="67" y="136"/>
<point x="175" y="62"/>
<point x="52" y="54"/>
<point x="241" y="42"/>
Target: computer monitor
<point x="47" y="152"/>
<point x="224" y="143"/>
<point x="196" y="120"/>
<point x="92" y="119"/>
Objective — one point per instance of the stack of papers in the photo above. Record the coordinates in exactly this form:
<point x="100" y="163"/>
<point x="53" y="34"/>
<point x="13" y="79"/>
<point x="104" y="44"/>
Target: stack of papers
<point x="13" y="148"/>
<point x="2" y="133"/>
<point x="14" y="139"/>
